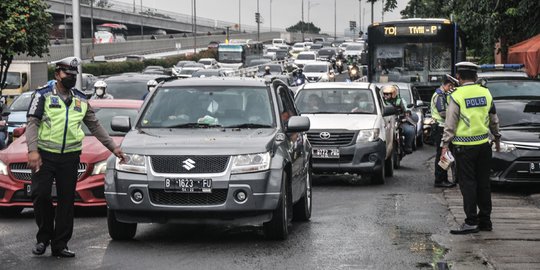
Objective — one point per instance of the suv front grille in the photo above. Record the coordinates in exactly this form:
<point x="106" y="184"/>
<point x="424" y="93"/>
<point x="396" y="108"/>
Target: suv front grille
<point x="21" y="171"/>
<point x="159" y="196"/>
<point x="336" y="138"/>
<point x="189" y="164"/>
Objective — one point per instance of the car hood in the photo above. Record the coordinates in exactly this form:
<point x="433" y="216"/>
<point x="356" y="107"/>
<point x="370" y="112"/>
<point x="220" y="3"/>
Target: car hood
<point x="17" y="117"/>
<point x="346" y="121"/>
<point x="526" y="135"/>
<point x="93" y="151"/>
<point x="302" y="61"/>
<point x="200" y="141"/>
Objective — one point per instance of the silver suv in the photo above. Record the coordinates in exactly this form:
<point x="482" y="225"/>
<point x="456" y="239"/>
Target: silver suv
<point x="212" y="150"/>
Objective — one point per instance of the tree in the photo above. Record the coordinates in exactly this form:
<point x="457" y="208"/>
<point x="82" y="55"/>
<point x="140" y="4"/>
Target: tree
<point x="304" y="27"/>
<point x="484" y="22"/>
<point x="24" y="29"/>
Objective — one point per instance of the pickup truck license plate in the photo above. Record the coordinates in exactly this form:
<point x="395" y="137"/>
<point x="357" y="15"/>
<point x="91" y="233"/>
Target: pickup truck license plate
<point x="325" y="153"/>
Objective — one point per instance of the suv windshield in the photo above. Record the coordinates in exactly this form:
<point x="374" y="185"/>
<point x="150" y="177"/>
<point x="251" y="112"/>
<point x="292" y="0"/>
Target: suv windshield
<point x="204" y="106"/>
<point x="515" y="88"/>
<point x="21" y="103"/>
<point x="307" y="56"/>
<point x="316" y="68"/>
<point x="518" y="113"/>
<point x="127" y="89"/>
<point x="339" y="101"/>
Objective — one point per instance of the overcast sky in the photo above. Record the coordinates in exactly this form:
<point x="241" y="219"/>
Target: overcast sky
<point x="284" y="12"/>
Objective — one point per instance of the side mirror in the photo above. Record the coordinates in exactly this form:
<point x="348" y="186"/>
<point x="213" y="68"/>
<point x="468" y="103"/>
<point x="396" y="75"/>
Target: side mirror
<point x="389" y="110"/>
<point x="121" y="123"/>
<point x="409" y="106"/>
<point x="298" y="124"/>
<point x="18" y="132"/>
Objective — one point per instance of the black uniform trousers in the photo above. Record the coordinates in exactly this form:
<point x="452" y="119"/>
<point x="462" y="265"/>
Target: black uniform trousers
<point x="55" y="226"/>
<point x="473" y="167"/>
<point x="440" y="174"/>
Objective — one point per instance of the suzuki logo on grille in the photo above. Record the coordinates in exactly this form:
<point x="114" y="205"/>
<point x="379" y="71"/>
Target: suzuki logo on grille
<point x="188" y="164"/>
<point x="325" y="135"/>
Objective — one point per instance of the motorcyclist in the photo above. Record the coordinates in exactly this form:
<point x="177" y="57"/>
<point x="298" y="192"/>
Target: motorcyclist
<point x="340" y="61"/>
<point x="150" y="86"/>
<point x="391" y="97"/>
<point x="267" y="71"/>
<point x="100" y="91"/>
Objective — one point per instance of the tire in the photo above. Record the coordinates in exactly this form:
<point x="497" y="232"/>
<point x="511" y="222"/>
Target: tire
<point x="120" y="230"/>
<point x="419" y="141"/>
<point x="10" y="211"/>
<point x="378" y="177"/>
<point x="302" y="209"/>
<point x="278" y="227"/>
<point x="389" y="166"/>
<point x="395" y="157"/>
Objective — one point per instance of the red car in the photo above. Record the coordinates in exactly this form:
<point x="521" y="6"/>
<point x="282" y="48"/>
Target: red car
<point x="15" y="184"/>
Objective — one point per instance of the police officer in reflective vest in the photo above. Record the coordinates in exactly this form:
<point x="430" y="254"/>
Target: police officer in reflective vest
<point x="54" y="139"/>
<point x="439" y="102"/>
<point x="470" y="117"/>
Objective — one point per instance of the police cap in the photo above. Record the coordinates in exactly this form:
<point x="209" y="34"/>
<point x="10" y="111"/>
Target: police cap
<point x="68" y="65"/>
<point x="467" y="66"/>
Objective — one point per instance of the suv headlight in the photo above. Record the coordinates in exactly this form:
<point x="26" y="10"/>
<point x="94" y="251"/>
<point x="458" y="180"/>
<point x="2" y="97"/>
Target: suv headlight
<point x="368" y="135"/>
<point x="100" y="167"/>
<point x="505" y="147"/>
<point x="251" y="163"/>
<point x="134" y="163"/>
<point x="3" y="168"/>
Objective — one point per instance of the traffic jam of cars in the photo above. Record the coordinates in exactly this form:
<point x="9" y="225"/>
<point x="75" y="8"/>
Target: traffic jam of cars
<point x="236" y="139"/>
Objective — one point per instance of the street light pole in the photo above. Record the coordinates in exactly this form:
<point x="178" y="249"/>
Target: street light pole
<point x="92" y="22"/>
<point x="195" y="26"/>
<point x="335" y="20"/>
<point x="382" y="11"/>
<point x="372" y="12"/>
<point x="360" y="15"/>
<point x="65" y="24"/>
<point x="142" y="27"/>
<point x="240" y="16"/>
<point x="270" y="15"/>
<point x="76" y="13"/>
<point x="302" y="26"/>
<point x="258" y="24"/>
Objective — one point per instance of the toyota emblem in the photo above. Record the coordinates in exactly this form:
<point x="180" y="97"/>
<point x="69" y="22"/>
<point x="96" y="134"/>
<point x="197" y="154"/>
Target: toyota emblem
<point x="325" y="135"/>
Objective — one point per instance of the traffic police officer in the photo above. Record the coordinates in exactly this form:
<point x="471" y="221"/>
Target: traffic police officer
<point x="54" y="139"/>
<point x="439" y="102"/>
<point x="470" y="117"/>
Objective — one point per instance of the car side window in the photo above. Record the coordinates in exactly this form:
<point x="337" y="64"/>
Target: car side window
<point x="287" y="108"/>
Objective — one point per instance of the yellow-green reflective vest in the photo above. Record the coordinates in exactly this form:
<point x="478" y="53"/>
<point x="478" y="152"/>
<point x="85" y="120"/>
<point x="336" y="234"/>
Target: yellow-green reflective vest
<point x="474" y="103"/>
<point x="60" y="129"/>
<point x="434" y="112"/>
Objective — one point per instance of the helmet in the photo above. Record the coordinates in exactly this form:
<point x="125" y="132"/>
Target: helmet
<point x="390" y="89"/>
<point x="100" y="84"/>
<point x="267" y="68"/>
<point x="151" y="85"/>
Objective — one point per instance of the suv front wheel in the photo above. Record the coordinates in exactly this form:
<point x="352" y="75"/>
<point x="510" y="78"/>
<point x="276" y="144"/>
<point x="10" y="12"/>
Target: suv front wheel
<point x="120" y="230"/>
<point x="302" y="209"/>
<point x="278" y="227"/>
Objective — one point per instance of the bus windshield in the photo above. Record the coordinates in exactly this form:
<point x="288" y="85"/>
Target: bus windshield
<point x="110" y="33"/>
<point x="412" y="62"/>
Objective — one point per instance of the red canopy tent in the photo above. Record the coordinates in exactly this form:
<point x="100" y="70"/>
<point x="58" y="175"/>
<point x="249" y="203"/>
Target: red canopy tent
<point x="527" y="52"/>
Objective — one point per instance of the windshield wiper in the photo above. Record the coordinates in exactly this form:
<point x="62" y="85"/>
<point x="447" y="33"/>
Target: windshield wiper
<point x="249" y="125"/>
<point x="523" y="124"/>
<point x="194" y="125"/>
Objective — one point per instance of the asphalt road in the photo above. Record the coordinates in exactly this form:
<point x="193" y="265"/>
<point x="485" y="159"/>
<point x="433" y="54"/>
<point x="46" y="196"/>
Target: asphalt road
<point x="354" y="226"/>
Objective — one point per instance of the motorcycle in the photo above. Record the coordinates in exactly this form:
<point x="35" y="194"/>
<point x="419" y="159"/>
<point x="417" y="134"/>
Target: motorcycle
<point x="354" y="73"/>
<point x="428" y="130"/>
<point x="399" y="138"/>
<point x="339" y="66"/>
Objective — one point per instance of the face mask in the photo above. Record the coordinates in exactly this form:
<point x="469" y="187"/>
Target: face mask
<point x="69" y="81"/>
<point x="100" y="92"/>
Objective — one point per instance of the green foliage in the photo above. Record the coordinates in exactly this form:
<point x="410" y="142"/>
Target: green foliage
<point x="110" y="68"/>
<point x="24" y="29"/>
<point x="304" y="27"/>
<point x="389" y="5"/>
<point x="484" y="22"/>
